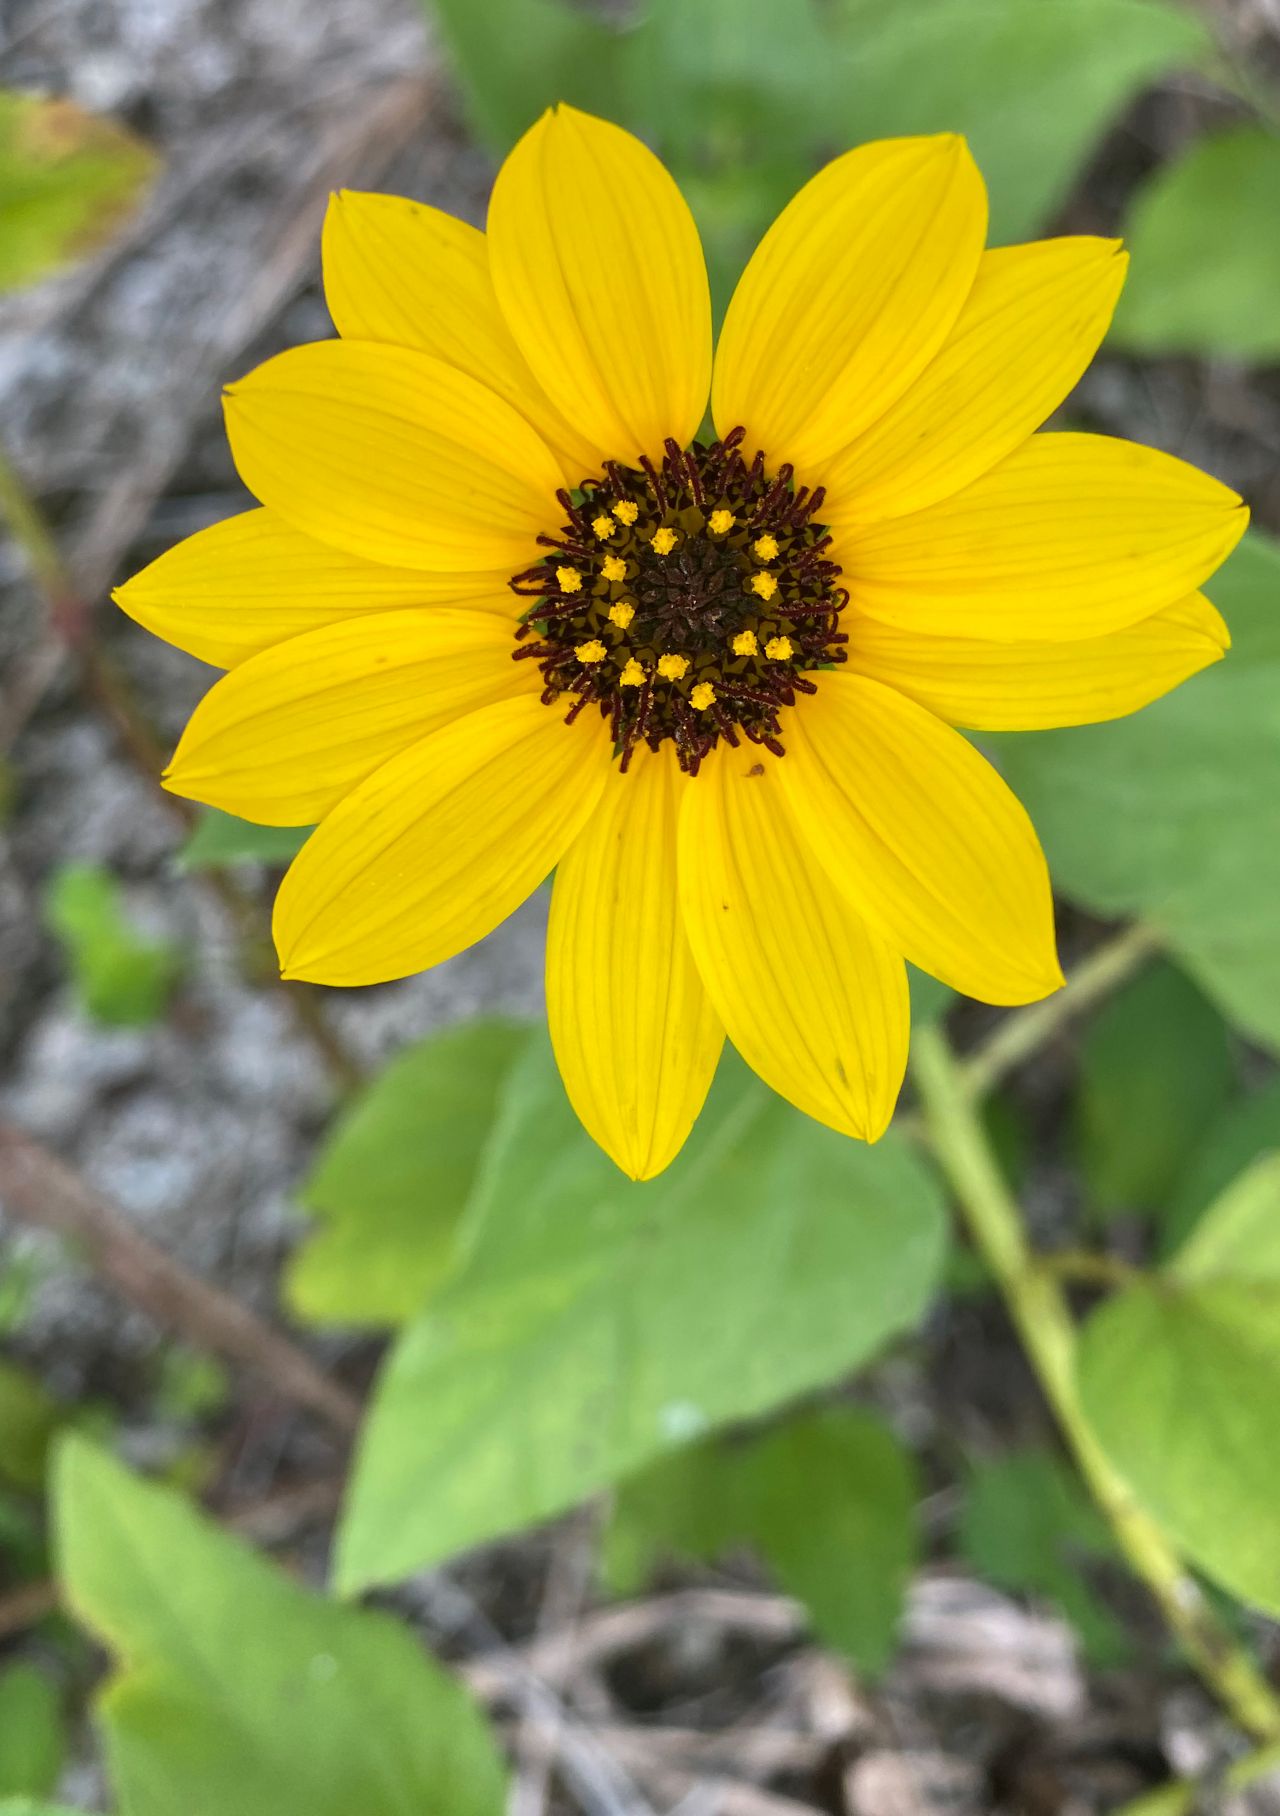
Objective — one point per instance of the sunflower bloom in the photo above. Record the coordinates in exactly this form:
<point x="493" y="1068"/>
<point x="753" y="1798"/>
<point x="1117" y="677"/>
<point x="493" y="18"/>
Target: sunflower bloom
<point x="505" y="610"/>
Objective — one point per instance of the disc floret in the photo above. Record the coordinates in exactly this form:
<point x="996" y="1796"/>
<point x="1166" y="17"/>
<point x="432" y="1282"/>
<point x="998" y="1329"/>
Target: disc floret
<point x="688" y="602"/>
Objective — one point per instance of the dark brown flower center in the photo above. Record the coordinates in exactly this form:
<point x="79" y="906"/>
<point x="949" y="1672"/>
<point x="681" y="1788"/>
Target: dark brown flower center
<point x="687" y="602"/>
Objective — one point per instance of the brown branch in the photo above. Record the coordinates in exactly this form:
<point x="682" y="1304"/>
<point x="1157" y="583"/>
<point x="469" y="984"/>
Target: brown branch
<point x="38" y="1187"/>
<point x="24" y="1607"/>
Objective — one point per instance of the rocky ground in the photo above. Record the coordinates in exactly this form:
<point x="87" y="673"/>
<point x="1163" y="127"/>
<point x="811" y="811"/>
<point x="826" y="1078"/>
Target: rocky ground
<point x="705" y="1698"/>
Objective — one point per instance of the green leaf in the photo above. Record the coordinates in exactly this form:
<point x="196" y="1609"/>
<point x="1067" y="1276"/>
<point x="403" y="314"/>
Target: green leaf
<point x="29" y="1419"/>
<point x="597" y="1322"/>
<point x="1032" y="84"/>
<point x="1205" y="252"/>
<point x="393" y="1178"/>
<point x="514" y="58"/>
<point x="828" y="1501"/>
<point x="241" y="1694"/>
<point x="1246" y="1129"/>
<point x="32" y="1742"/>
<point x="1155" y="1071"/>
<point x="68" y="180"/>
<point x="1180" y="1377"/>
<point x="1169" y="816"/>
<point x="27" y="1806"/>
<point x="121" y="976"/>
<point x="1028" y="1526"/>
<point x="220" y="839"/>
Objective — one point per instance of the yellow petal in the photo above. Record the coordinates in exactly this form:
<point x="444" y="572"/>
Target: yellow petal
<point x="286" y="735"/>
<point x="993" y="686"/>
<point x="600" y="275"/>
<point x="813" y="999"/>
<point x="242" y="585"/>
<point x="393" y="455"/>
<point x="1032" y="322"/>
<point x="408" y="274"/>
<point x="438" y="846"/>
<point x="849" y="295"/>
<point x="1071" y="536"/>
<point x="923" y="838"/>
<point x="635" y="1037"/>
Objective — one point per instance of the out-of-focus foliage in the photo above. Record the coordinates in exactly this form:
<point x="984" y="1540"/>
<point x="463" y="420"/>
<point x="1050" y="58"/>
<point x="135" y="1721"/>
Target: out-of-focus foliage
<point x="744" y="98"/>
<point x="1170" y="816"/>
<point x="828" y="1501"/>
<point x="594" y="1323"/>
<point x="29" y="1420"/>
<point x="32" y="1741"/>
<point x="1028" y="1525"/>
<point x="238" y="1693"/>
<point x="220" y="839"/>
<point x="1155" y="1071"/>
<point x="1247" y="1127"/>
<point x="1205" y="242"/>
<point x="121" y="975"/>
<point x="394" y="1176"/>
<point x="67" y="181"/>
<point x="1181" y="1377"/>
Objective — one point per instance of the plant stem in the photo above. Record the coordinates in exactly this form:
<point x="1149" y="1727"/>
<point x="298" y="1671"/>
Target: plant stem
<point x="1019" y="1035"/>
<point x="1184" y="1795"/>
<point x="1040" y="1314"/>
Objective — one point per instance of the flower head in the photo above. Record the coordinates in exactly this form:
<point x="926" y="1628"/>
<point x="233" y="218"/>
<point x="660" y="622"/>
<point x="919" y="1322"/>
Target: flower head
<point x="501" y="612"/>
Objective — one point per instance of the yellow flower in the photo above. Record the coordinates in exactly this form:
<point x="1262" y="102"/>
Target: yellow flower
<point x="758" y="852"/>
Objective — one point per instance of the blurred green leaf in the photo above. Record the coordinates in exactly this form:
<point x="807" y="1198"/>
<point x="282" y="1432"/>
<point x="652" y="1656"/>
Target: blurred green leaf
<point x="394" y="1175"/>
<point x="1205" y="247"/>
<point x="1155" y="1071"/>
<point x="1031" y="84"/>
<point x="828" y="1500"/>
<point x="32" y="1741"/>
<point x="220" y="839"/>
<point x="1180" y="1376"/>
<point x="1028" y="1526"/>
<point x="190" y="1385"/>
<point x="1246" y="1128"/>
<point x="515" y="58"/>
<point x="1170" y="815"/>
<point x="241" y="1694"/>
<point x="29" y="1419"/>
<point x="28" y="1806"/>
<point x="68" y="180"/>
<point x="596" y="1323"/>
<point x="122" y="977"/>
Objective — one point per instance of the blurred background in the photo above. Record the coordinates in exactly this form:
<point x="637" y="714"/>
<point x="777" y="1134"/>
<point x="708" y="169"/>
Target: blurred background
<point x="153" y="1069"/>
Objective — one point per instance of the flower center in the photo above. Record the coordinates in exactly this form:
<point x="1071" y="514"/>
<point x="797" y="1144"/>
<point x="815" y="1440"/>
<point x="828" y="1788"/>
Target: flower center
<point x="686" y="602"/>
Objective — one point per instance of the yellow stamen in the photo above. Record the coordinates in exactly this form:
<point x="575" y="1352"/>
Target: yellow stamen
<point x="702" y="696"/>
<point x="569" y="580"/>
<point x="765" y="547"/>
<point x="603" y="526"/>
<point x="763" y="584"/>
<point x="591" y="651"/>
<point x="673" y="668"/>
<point x="745" y="644"/>
<point x="621" y="613"/>
<point x="778" y="649"/>
<point x="632" y="675"/>
<point x="613" y="567"/>
<point x="720" y="522"/>
<point x="664" y="541"/>
<point x="626" y="511"/>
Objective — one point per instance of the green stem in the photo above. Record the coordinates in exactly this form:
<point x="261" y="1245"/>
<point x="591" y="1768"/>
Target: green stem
<point x="1021" y="1034"/>
<point x="1184" y="1795"/>
<point x="1040" y="1313"/>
